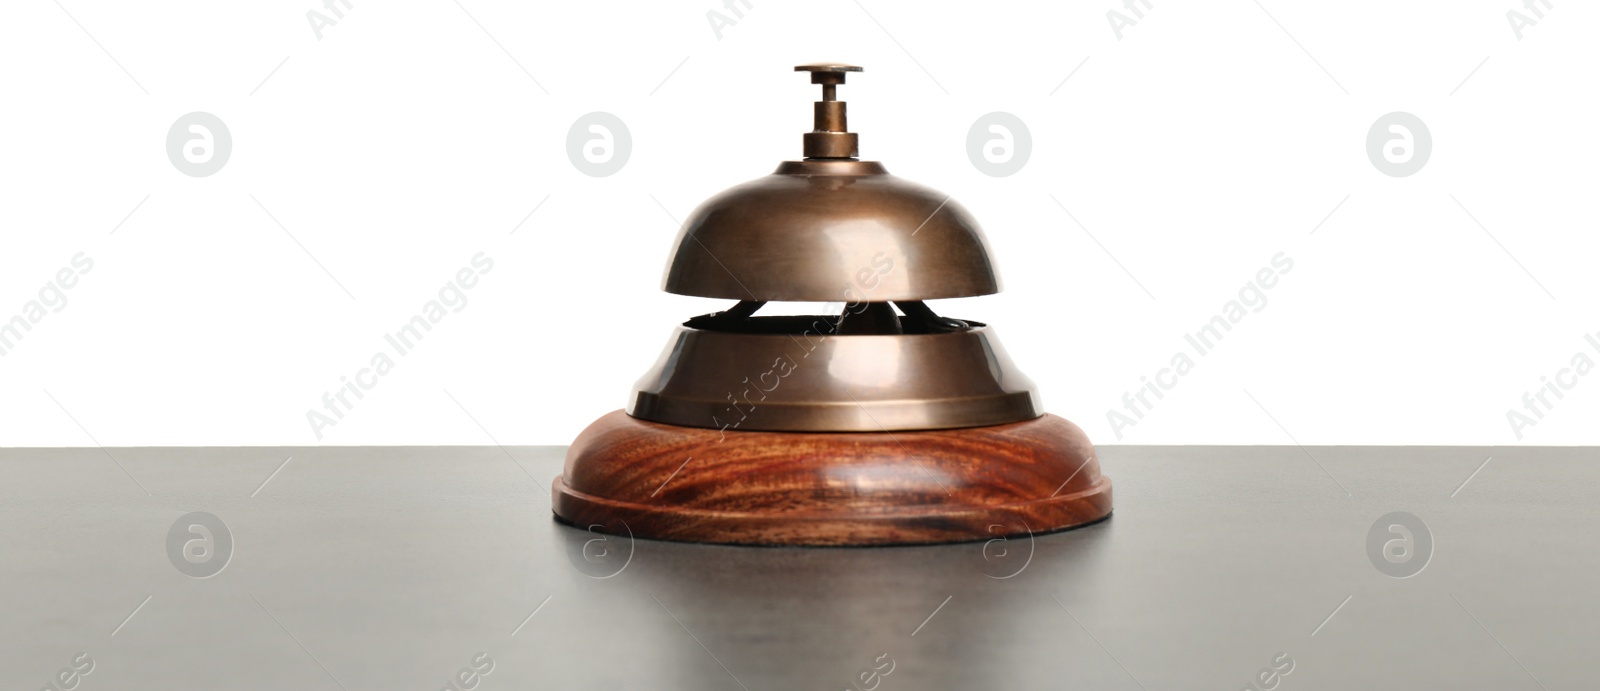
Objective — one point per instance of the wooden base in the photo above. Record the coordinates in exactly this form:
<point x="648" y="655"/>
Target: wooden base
<point x="629" y="476"/>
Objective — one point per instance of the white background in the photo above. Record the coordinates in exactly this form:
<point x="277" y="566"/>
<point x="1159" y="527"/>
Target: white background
<point x="408" y="138"/>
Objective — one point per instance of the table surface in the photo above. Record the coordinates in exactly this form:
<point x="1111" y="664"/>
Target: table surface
<point x="386" y="568"/>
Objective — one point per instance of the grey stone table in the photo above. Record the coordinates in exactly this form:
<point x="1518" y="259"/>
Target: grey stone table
<point x="435" y="568"/>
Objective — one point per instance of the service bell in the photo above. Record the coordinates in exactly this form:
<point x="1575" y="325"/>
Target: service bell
<point x="883" y="424"/>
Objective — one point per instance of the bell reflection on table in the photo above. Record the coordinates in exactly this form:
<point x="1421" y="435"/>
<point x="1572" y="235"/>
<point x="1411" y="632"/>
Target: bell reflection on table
<point x="833" y="614"/>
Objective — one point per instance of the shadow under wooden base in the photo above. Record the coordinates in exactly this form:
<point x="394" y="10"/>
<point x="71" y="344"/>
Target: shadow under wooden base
<point x="629" y="476"/>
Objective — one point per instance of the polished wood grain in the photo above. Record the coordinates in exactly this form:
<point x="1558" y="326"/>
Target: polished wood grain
<point x="629" y="476"/>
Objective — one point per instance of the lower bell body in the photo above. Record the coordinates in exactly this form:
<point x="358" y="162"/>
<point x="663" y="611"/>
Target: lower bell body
<point x="844" y="440"/>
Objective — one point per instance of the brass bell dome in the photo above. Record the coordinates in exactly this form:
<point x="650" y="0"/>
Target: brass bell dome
<point x="806" y="232"/>
<point x="816" y="230"/>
